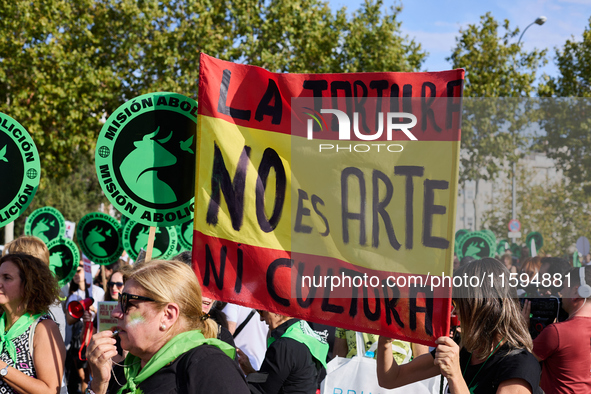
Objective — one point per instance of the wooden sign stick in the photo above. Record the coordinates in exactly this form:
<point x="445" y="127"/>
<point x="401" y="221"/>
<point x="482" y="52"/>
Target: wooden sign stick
<point x="104" y="278"/>
<point x="151" y="237"/>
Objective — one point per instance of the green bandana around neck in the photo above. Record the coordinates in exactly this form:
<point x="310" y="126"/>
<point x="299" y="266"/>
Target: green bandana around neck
<point x="301" y="332"/>
<point x="17" y="329"/>
<point x="177" y="346"/>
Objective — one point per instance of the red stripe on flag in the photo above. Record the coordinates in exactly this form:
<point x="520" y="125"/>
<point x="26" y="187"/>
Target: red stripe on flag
<point x="271" y="279"/>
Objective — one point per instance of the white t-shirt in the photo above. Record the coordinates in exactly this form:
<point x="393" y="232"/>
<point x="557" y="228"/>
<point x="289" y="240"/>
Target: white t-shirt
<point x="98" y="294"/>
<point x="252" y="340"/>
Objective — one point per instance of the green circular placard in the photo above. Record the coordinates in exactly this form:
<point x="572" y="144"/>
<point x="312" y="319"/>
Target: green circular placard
<point x="46" y="223"/>
<point x="179" y="248"/>
<point x="99" y="237"/>
<point x="20" y="168"/>
<point x="460" y="233"/>
<point x="185" y="234"/>
<point x="458" y="241"/>
<point x="502" y="246"/>
<point x="516" y="250"/>
<point x="477" y="245"/>
<point x="491" y="235"/>
<point x="64" y="258"/>
<point x="145" y="158"/>
<point x="538" y="240"/>
<point x="135" y="237"/>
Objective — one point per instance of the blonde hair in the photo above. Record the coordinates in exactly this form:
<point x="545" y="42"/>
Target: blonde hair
<point x="490" y="312"/>
<point x="29" y="245"/>
<point x="173" y="281"/>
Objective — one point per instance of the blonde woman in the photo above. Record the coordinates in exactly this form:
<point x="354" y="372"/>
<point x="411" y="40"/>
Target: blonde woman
<point x="171" y="346"/>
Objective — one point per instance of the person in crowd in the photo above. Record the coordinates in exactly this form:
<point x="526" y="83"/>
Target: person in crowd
<point x="563" y="347"/>
<point x="508" y="261"/>
<point x="76" y="369"/>
<point x="295" y="359"/>
<point x="109" y="269"/>
<point x="37" y="248"/>
<point x="250" y="333"/>
<point x="553" y="266"/>
<point x="494" y="355"/>
<point x="207" y="305"/>
<point x="529" y="277"/>
<point x="33" y="352"/>
<point x="531" y="266"/>
<point x="171" y="349"/>
<point x="346" y="346"/>
<point x="456" y="262"/>
<point x="222" y="332"/>
<point x="114" y="286"/>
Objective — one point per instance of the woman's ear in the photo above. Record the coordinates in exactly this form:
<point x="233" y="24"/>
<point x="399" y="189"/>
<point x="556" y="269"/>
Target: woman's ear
<point x="171" y="314"/>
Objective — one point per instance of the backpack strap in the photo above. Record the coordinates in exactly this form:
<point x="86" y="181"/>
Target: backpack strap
<point x="32" y="335"/>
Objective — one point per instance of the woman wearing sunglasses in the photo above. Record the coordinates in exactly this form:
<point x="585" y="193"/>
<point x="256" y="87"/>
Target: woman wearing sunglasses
<point x="114" y="286"/>
<point x="494" y="355"/>
<point x="171" y="349"/>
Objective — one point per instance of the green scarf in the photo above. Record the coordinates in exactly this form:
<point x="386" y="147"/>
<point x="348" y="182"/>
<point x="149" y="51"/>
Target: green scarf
<point x="17" y="329"/>
<point x="177" y="346"/>
<point x="301" y="332"/>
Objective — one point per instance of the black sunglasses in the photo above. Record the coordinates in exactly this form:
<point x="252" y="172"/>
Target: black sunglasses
<point x="125" y="297"/>
<point x="118" y="284"/>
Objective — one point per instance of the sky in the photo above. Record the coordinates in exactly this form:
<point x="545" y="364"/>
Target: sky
<point x="436" y="23"/>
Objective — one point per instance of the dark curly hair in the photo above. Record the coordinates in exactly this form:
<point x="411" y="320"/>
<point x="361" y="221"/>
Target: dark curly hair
<point x="40" y="288"/>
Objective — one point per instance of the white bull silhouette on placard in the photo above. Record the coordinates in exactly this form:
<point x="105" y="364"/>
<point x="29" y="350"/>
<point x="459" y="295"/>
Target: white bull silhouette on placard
<point x="140" y="169"/>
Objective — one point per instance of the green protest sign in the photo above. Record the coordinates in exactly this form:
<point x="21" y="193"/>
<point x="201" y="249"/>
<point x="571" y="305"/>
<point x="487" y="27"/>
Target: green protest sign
<point x="476" y="244"/>
<point x="135" y="238"/>
<point x="460" y="233"/>
<point x="99" y="237"/>
<point x="502" y="246"/>
<point x="145" y="158"/>
<point x="46" y="223"/>
<point x="491" y="235"/>
<point x="21" y="169"/>
<point x="185" y="234"/>
<point x="64" y="258"/>
<point x="536" y="237"/>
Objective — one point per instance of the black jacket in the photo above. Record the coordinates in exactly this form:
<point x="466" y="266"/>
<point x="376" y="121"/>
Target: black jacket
<point x="202" y="370"/>
<point x="288" y="367"/>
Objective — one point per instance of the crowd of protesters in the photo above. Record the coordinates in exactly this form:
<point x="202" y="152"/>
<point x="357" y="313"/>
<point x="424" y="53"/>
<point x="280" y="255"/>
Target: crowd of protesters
<point x="171" y="338"/>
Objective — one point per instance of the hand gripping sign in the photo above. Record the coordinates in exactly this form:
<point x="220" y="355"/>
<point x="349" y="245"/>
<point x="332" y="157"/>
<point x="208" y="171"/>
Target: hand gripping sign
<point x="323" y="196"/>
<point x="21" y="169"/>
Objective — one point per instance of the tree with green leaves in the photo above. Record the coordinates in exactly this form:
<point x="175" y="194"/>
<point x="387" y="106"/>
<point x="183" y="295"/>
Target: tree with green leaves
<point x="305" y="36"/>
<point x="68" y="65"/>
<point x="542" y="203"/>
<point x="492" y="129"/>
<point x="567" y="109"/>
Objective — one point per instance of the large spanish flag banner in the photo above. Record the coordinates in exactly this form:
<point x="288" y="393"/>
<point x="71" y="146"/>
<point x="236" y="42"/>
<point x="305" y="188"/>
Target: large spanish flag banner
<point x="329" y="197"/>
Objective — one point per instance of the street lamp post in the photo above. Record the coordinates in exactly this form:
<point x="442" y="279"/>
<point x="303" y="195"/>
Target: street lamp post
<point x="539" y="21"/>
